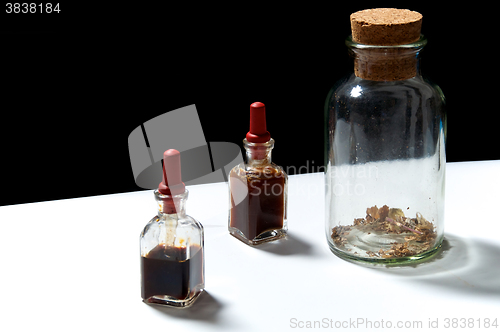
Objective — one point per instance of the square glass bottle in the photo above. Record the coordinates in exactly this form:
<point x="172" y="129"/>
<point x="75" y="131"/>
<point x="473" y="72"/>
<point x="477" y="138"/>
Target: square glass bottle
<point x="258" y="188"/>
<point x="172" y="248"/>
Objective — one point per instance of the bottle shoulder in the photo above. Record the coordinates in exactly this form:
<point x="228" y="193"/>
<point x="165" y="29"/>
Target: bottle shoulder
<point x="160" y="221"/>
<point x="356" y="95"/>
<point x="354" y="87"/>
<point x="188" y="221"/>
<point x="269" y="170"/>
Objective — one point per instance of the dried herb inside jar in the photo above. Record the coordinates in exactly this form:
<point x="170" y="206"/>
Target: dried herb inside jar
<point x="419" y="234"/>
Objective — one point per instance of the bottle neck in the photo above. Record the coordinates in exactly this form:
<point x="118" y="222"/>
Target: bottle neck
<point x="258" y="154"/>
<point x="386" y="63"/>
<point x="174" y="205"/>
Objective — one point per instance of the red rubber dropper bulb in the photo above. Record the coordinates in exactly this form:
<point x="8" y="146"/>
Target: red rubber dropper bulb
<point x="258" y="132"/>
<point x="172" y="181"/>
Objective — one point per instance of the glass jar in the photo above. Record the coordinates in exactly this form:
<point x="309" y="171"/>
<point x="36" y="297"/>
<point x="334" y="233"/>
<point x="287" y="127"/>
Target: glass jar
<point x="385" y="129"/>
<point x="172" y="262"/>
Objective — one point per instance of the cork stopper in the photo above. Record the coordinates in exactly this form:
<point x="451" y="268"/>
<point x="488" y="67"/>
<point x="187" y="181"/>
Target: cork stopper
<point x="386" y="26"/>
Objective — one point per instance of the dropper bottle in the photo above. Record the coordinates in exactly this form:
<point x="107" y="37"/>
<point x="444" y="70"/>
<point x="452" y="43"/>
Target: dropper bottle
<point x="258" y="187"/>
<point x="172" y="249"/>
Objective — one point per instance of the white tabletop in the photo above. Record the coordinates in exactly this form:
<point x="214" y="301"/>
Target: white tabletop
<point x="73" y="265"/>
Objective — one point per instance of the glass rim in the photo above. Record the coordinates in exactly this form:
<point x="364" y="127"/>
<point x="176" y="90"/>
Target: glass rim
<point x="161" y="196"/>
<point x="267" y="144"/>
<point x="421" y="42"/>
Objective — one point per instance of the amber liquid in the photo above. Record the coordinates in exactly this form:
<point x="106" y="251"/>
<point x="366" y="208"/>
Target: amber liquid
<point x="166" y="271"/>
<point x="262" y="209"/>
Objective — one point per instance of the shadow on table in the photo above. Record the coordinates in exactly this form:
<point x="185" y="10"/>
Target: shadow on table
<point x="205" y="308"/>
<point x="290" y="245"/>
<point x="468" y="266"/>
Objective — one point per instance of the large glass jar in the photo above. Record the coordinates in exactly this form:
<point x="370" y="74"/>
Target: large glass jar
<point x="385" y="130"/>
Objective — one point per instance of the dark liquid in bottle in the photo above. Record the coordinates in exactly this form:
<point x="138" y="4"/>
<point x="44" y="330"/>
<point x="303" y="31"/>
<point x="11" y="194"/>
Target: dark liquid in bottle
<point x="262" y="209"/>
<point x="166" y="271"/>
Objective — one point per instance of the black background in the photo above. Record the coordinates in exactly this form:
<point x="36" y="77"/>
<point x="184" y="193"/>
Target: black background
<point x="76" y="83"/>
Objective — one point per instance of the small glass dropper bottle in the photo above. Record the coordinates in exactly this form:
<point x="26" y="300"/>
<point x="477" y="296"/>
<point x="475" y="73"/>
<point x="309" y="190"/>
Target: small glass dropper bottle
<point x="258" y="188"/>
<point x="172" y="262"/>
